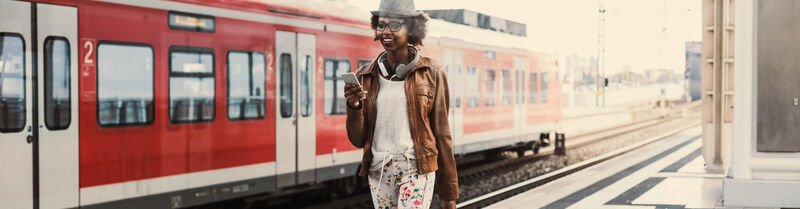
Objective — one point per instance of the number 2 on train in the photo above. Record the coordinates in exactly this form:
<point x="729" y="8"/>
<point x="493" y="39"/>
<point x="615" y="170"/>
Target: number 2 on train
<point x="88" y="46"/>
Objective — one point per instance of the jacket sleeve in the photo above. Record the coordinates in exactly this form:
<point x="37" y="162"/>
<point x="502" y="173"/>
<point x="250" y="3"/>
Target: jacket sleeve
<point x="355" y="122"/>
<point x="447" y="176"/>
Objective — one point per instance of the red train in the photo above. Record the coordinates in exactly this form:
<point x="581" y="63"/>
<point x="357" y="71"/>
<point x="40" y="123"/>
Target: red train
<point x="170" y="104"/>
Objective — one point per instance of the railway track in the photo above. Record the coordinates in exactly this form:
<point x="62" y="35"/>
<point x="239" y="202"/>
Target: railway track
<point x="476" y="171"/>
<point x="585" y="139"/>
<point x="510" y="191"/>
<point x="580" y="140"/>
<point x="506" y="192"/>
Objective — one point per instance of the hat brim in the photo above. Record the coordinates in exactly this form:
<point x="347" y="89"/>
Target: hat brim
<point x="392" y="14"/>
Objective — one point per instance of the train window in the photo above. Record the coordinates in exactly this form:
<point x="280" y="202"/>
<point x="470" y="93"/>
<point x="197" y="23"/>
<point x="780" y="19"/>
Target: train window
<point x="56" y="83"/>
<point x="306" y="66"/>
<point x="519" y="80"/>
<point x="124" y="84"/>
<point x="488" y="88"/>
<point x="519" y="87"/>
<point x="533" y="84"/>
<point x="191" y="85"/>
<point x="363" y="62"/>
<point x="12" y="83"/>
<point x="473" y="94"/>
<point x="334" y="86"/>
<point x="287" y="80"/>
<point x="456" y="73"/>
<point x="505" y="98"/>
<point x="246" y="84"/>
<point x="544" y="87"/>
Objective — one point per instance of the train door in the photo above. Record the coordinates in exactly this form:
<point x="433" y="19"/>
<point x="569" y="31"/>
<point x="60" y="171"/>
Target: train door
<point x="453" y="61"/>
<point x="38" y="107"/>
<point x="295" y="122"/>
<point x="520" y="110"/>
<point x="16" y="148"/>
<point x="306" y="120"/>
<point x="57" y="105"/>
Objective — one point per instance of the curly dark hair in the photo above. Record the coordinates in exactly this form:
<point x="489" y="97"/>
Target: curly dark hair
<point x="417" y="27"/>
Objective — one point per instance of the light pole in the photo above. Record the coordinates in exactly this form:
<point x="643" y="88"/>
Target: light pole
<point x="600" y="55"/>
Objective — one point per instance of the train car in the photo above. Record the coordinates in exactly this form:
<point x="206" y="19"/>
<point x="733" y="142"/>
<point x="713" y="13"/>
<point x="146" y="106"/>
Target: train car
<point x="502" y="96"/>
<point x="173" y="104"/>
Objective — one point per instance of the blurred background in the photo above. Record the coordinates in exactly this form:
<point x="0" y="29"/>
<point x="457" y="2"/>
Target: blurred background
<point x="645" y="44"/>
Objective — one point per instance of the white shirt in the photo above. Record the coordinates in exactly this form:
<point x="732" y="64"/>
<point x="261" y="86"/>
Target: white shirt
<point x="392" y="136"/>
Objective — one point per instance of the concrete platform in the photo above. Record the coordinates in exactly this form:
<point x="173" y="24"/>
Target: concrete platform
<point x="668" y="173"/>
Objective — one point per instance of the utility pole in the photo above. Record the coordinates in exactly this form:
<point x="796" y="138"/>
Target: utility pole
<point x="601" y="55"/>
<point x="661" y="52"/>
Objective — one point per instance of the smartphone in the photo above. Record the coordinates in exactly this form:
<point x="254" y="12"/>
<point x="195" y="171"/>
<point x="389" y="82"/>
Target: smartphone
<point x="350" y="78"/>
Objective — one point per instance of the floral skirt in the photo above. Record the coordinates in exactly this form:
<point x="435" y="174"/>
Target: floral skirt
<point x="398" y="185"/>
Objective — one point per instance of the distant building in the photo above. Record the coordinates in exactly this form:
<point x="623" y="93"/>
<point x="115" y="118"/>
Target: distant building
<point x="660" y="75"/>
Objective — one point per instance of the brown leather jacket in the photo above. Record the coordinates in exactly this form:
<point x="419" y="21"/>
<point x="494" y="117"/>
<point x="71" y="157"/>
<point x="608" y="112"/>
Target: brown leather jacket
<point x="427" y="111"/>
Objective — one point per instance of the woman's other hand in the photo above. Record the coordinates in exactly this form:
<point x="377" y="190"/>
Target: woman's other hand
<point x="448" y="204"/>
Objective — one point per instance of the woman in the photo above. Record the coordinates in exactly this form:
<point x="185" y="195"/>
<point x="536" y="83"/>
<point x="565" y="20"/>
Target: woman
<point x="399" y="115"/>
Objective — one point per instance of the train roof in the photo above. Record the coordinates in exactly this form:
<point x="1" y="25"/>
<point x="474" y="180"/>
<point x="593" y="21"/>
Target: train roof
<point x="322" y="10"/>
<point x="478" y="28"/>
<point x="446" y="30"/>
<point x="337" y="11"/>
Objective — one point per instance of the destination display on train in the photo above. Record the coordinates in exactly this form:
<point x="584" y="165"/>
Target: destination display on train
<point x="191" y="22"/>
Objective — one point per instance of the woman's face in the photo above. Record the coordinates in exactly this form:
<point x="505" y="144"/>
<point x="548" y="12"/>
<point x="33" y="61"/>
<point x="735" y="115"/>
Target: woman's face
<point x="392" y="33"/>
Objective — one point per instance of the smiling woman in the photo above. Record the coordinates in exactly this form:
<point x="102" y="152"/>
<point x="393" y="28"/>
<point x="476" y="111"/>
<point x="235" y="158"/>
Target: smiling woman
<point x="409" y="153"/>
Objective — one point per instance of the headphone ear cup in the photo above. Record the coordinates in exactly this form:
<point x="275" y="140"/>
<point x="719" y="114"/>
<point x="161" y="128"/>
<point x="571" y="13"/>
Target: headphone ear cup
<point x="402" y="69"/>
<point x="401" y="72"/>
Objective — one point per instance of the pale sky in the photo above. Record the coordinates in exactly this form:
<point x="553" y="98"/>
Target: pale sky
<point x="632" y="34"/>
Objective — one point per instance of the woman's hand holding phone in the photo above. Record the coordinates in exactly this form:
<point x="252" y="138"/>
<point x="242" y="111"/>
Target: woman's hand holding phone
<point x="353" y="91"/>
<point x="354" y="94"/>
